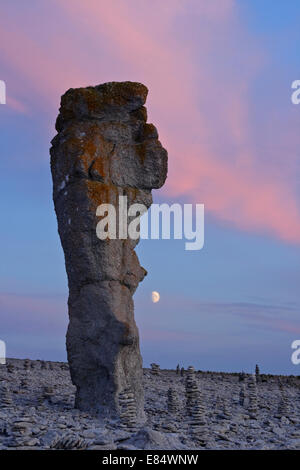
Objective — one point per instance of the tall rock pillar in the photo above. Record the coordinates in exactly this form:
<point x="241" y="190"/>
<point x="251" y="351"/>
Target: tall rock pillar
<point x="104" y="149"/>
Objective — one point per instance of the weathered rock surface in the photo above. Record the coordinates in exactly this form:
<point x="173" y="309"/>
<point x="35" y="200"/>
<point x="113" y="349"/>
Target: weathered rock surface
<point x="26" y="422"/>
<point x="104" y="149"/>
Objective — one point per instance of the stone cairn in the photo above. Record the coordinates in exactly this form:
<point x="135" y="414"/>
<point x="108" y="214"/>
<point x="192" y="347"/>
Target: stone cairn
<point x="242" y="376"/>
<point x="226" y="408"/>
<point x="3" y="426"/>
<point x="104" y="149"/>
<point x="197" y="422"/>
<point x="168" y="423"/>
<point x="252" y="397"/>
<point x="26" y="364"/>
<point x="155" y="369"/>
<point x="284" y="409"/>
<point x="191" y="390"/>
<point x="127" y="409"/>
<point x="218" y="403"/>
<point x="10" y="368"/>
<point x="182" y="371"/>
<point x="5" y="396"/>
<point x="47" y="394"/>
<point x="198" y="413"/>
<point x="21" y="432"/>
<point x="177" y="369"/>
<point x="257" y="373"/>
<point x="242" y="395"/>
<point x="24" y="384"/>
<point x="172" y="401"/>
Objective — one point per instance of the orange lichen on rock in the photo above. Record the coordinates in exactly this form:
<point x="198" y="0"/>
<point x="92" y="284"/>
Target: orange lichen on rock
<point x="101" y="193"/>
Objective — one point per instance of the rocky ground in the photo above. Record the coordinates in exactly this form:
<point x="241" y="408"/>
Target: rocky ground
<point x="230" y="411"/>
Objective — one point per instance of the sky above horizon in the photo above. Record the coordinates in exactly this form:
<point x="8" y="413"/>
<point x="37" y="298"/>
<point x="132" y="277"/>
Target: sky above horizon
<point x="219" y="75"/>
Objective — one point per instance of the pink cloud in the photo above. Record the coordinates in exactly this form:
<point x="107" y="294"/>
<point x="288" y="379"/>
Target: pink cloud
<point x="287" y="327"/>
<point x="35" y="313"/>
<point x="199" y="96"/>
<point x="38" y="72"/>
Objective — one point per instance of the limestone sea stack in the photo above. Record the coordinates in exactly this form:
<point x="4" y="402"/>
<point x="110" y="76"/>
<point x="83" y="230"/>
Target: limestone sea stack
<point x="104" y="149"/>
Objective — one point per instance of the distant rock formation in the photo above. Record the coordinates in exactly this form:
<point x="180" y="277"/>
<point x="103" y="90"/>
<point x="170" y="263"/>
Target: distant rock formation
<point x="104" y="149"/>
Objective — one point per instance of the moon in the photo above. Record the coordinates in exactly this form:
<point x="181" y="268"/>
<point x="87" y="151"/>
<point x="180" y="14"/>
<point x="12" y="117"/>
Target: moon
<point x="155" y="297"/>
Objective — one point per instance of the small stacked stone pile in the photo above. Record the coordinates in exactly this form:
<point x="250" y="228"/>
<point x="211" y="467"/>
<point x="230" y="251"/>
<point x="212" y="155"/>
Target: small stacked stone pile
<point x="257" y="374"/>
<point x="190" y="371"/>
<point x="5" y="396"/>
<point x="127" y="408"/>
<point x="284" y="408"/>
<point x="3" y="372"/>
<point x="48" y="394"/>
<point x="234" y="427"/>
<point x="24" y="384"/>
<point x="198" y="423"/>
<point x="3" y="426"/>
<point x="192" y="394"/>
<point x="218" y="403"/>
<point x="182" y="371"/>
<point x="178" y="369"/>
<point x="26" y="364"/>
<point x="242" y="395"/>
<point x="191" y="390"/>
<point x="198" y="413"/>
<point x="20" y="433"/>
<point x="155" y="369"/>
<point x="242" y="376"/>
<point x="226" y="409"/>
<point x="10" y="368"/>
<point x="173" y="401"/>
<point x="168" y="423"/>
<point x="253" y="400"/>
